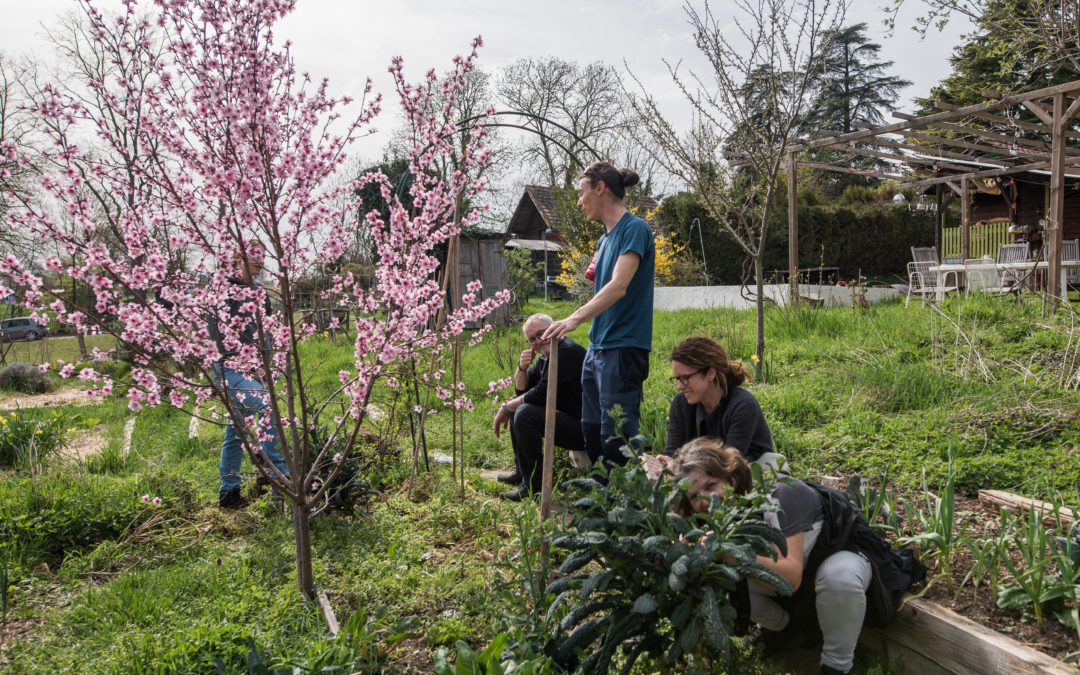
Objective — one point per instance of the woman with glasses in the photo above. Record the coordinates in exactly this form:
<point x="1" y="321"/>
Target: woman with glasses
<point x="711" y="402"/>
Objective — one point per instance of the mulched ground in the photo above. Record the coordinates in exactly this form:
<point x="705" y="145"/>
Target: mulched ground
<point x="980" y="605"/>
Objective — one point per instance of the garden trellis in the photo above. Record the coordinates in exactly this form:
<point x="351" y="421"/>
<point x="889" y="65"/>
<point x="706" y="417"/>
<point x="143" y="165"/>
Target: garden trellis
<point x="918" y="142"/>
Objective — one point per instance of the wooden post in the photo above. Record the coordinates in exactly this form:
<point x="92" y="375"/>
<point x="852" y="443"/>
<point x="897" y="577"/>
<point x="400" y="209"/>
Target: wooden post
<point x="965" y="218"/>
<point x="939" y="219"/>
<point x="549" y="431"/>
<point x="793" y="228"/>
<point x="1056" y="216"/>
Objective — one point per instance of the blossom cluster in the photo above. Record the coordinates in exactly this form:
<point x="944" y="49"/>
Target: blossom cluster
<point x="204" y="140"/>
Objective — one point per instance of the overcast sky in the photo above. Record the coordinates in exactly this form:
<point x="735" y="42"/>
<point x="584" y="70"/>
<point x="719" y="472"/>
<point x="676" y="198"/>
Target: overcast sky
<point x="350" y="40"/>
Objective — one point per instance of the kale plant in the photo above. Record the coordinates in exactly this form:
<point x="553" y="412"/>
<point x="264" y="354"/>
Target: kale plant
<point x="641" y="579"/>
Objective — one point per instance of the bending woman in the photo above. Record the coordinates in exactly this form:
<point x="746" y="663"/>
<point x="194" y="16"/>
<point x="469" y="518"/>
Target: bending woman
<point x="840" y="581"/>
<point x="712" y="403"/>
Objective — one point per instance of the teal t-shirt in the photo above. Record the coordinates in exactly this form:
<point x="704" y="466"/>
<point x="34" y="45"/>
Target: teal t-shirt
<point x="627" y="323"/>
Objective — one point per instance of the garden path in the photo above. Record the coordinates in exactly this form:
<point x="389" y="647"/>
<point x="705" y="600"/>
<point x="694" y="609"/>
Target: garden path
<point x="51" y="399"/>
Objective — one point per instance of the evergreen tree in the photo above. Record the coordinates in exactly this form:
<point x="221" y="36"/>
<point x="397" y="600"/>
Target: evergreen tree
<point x="854" y="87"/>
<point x="998" y="57"/>
<point x="853" y="90"/>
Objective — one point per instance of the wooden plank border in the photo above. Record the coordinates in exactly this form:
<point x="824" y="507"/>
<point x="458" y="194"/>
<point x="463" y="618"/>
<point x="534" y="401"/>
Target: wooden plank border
<point x="1018" y="504"/>
<point x="928" y="639"/>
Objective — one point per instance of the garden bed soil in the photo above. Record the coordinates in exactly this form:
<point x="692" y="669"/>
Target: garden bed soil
<point x="1054" y="639"/>
<point x="51" y="399"/>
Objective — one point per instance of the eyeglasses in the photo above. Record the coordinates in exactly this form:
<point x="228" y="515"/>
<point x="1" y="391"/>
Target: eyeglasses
<point x="535" y="337"/>
<point x="685" y="379"/>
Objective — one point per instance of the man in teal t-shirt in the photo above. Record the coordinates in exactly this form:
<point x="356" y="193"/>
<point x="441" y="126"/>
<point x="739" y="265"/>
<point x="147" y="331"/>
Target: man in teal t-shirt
<point x="620" y="337"/>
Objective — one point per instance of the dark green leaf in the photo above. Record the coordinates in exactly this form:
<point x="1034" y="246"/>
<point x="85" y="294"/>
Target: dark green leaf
<point x="645" y="604"/>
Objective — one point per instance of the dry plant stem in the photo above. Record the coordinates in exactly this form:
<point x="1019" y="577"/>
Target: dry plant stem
<point x="973" y="357"/>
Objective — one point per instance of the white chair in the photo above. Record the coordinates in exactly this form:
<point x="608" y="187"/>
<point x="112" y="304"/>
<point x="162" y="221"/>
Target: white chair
<point x="924" y="254"/>
<point x="1012" y="254"/>
<point x="1070" y="250"/>
<point x="985" y="278"/>
<point x="924" y="283"/>
<point x="929" y="254"/>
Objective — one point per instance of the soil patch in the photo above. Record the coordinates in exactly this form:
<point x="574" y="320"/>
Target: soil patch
<point x="84" y="444"/>
<point x="51" y="399"/>
<point x="982" y="521"/>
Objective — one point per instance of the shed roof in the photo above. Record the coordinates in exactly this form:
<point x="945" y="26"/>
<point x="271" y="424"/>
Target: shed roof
<point x="537" y="211"/>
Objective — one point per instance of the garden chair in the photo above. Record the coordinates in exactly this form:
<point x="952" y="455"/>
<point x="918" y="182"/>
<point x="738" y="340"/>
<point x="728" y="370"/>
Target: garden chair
<point x="1012" y="254"/>
<point x="1070" y="250"/>
<point x="985" y="278"/>
<point x="924" y="254"/>
<point x="929" y="254"/>
<point x="924" y="283"/>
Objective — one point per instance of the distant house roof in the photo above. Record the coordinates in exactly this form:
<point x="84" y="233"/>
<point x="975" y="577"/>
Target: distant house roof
<point x="534" y="244"/>
<point x="537" y="211"/>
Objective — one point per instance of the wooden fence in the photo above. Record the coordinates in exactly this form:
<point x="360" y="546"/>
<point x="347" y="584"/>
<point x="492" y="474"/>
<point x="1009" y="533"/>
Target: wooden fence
<point x="985" y="240"/>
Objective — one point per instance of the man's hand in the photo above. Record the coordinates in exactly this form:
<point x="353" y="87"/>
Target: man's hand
<point x="526" y="359"/>
<point x="502" y="419"/>
<point x="560" y="328"/>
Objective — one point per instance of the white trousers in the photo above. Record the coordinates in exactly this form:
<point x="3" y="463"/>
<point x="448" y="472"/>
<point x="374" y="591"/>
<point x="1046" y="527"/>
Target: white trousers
<point x="840" y="583"/>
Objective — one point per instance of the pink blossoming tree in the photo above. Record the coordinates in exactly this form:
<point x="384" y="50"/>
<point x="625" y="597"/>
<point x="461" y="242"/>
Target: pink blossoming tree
<point x="223" y="143"/>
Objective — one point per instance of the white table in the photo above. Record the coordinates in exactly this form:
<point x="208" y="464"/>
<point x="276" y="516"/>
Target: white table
<point x="942" y="271"/>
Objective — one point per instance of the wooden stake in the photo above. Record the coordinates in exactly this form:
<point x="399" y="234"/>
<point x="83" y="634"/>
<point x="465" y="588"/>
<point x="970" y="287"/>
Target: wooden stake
<point x="1056" y="217"/>
<point x="965" y="218"/>
<point x="328" y="613"/>
<point x="549" y="432"/>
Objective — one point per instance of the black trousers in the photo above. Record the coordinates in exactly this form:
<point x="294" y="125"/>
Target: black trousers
<point x="527" y="437"/>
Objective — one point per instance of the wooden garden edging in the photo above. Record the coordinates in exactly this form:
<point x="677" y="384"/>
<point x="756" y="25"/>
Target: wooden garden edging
<point x="928" y="639"/>
<point x="1019" y="504"/>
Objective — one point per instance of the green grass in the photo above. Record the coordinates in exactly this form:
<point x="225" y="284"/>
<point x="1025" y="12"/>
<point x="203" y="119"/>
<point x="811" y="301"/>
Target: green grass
<point x="51" y="349"/>
<point x="128" y="588"/>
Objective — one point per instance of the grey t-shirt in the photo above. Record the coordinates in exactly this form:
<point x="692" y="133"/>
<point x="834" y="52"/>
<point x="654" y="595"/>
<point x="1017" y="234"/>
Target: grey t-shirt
<point x="800" y="507"/>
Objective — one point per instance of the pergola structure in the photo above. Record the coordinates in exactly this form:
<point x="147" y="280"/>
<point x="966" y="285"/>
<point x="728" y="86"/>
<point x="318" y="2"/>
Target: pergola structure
<point x="955" y="147"/>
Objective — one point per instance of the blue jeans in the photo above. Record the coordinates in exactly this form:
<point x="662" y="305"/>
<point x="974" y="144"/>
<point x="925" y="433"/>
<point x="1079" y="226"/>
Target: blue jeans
<point x="611" y="377"/>
<point x="250" y="402"/>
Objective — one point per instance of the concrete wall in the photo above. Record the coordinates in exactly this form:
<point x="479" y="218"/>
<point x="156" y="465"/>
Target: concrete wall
<point x="670" y="298"/>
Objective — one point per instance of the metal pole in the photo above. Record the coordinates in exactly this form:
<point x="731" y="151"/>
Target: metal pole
<point x="701" y="240"/>
<point x="543" y="238"/>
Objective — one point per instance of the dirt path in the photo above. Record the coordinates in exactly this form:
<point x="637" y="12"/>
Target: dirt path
<point x="52" y="399"/>
<point x="84" y="444"/>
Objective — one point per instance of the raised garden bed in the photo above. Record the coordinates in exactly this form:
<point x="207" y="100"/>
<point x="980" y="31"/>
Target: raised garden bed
<point x="929" y="639"/>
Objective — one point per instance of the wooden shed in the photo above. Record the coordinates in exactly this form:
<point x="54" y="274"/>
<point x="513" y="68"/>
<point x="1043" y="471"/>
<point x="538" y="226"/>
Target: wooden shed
<point x="535" y="223"/>
<point x="482" y="258"/>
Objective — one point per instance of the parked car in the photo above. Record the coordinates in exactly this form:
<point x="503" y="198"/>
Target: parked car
<point x="21" y="329"/>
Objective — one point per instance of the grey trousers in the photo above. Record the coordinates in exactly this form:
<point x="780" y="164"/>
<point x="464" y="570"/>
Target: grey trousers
<point x="841" y="583"/>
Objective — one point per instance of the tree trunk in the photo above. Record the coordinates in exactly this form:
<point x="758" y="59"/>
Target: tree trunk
<point x="305" y="579"/>
<point x="759" y="285"/>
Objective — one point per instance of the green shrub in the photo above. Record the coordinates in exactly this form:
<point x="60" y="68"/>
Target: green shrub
<point x="26" y="439"/>
<point x="47" y="516"/>
<point x="25" y="378"/>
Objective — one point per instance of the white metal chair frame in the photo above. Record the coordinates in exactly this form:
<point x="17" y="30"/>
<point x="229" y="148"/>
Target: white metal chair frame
<point x="929" y="254"/>
<point x="1070" y="250"/>
<point x="1013" y="254"/>
<point x="985" y="278"/>
<point x="923" y="282"/>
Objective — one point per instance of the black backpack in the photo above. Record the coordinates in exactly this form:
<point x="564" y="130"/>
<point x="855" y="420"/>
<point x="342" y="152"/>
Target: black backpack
<point x="843" y="529"/>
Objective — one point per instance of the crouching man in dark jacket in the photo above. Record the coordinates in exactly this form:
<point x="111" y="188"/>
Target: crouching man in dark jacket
<point x="524" y="414"/>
